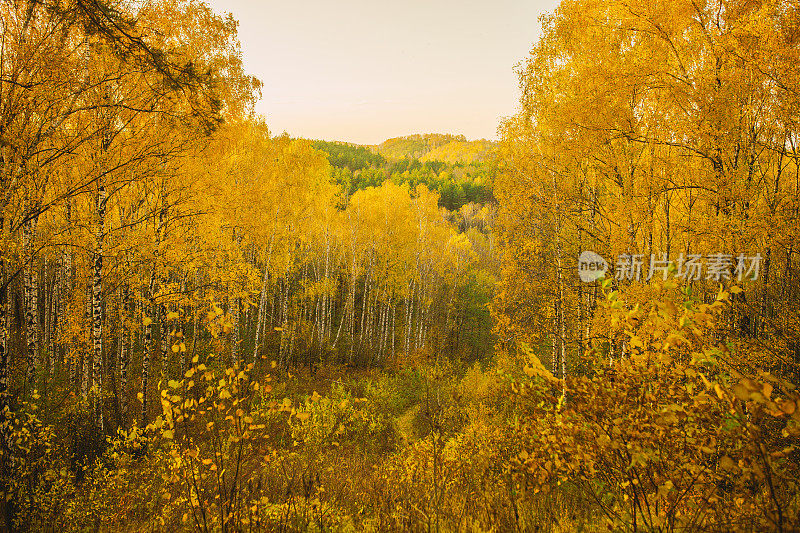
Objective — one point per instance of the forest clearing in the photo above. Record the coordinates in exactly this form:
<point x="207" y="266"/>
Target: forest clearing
<point x="591" y="323"/>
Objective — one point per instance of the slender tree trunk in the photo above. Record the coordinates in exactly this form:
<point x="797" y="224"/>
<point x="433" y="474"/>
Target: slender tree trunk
<point x="284" y="320"/>
<point x="87" y="361"/>
<point x="31" y="290"/>
<point x="97" y="306"/>
<point x="236" y="312"/>
<point x="54" y="309"/>
<point x="554" y="354"/>
<point x="165" y="342"/>
<point x="350" y="307"/>
<point x="325" y="297"/>
<point x="152" y="311"/>
<point x="409" y="315"/>
<point x="47" y="291"/>
<point x="195" y="324"/>
<point x="123" y="349"/>
<point x="262" y="303"/>
<point x="68" y="279"/>
<point x="365" y="307"/>
<point x="394" y="316"/>
<point x="4" y="329"/>
<point x="763" y="309"/>
<point x="561" y="302"/>
<point x="125" y="314"/>
<point x="5" y="371"/>
<point x="422" y="308"/>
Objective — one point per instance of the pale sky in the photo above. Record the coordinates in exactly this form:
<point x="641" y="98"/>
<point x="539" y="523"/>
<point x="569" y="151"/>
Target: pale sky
<point x="367" y="70"/>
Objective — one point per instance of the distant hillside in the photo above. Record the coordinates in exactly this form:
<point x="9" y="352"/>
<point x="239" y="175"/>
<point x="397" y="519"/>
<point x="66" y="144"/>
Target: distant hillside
<point x="435" y="147"/>
<point x="462" y="152"/>
<point x="415" y="146"/>
<point x="461" y="171"/>
<point x="350" y="156"/>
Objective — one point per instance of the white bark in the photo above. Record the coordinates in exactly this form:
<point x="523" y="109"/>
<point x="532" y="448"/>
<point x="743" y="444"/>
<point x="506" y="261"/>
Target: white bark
<point x="31" y="290"/>
<point x="262" y="303"/>
<point x="97" y="309"/>
<point x="152" y="310"/>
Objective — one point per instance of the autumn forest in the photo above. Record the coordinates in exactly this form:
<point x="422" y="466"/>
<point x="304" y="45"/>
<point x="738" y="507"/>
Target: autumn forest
<point x="589" y="324"/>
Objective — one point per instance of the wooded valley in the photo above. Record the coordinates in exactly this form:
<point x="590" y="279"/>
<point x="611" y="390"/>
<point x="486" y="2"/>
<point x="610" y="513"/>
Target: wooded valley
<point x="589" y="325"/>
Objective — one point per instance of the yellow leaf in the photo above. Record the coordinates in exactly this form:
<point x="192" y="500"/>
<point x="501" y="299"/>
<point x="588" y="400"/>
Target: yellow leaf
<point x="767" y="390"/>
<point x="147" y="321"/>
<point x="726" y="463"/>
<point x="719" y="391"/>
<point x="741" y="392"/>
<point x="787" y="406"/>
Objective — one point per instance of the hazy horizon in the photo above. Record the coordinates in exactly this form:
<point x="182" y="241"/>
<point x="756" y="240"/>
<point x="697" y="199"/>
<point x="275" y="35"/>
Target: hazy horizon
<point x="363" y="72"/>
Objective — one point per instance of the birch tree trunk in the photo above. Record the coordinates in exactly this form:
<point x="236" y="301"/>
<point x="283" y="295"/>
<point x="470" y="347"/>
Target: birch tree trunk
<point x="4" y="329"/>
<point x="66" y="291"/>
<point x="394" y="316"/>
<point x="123" y="349"/>
<point x="262" y="303"/>
<point x="325" y="298"/>
<point x="53" y="317"/>
<point x="350" y="307"/>
<point x="31" y="292"/>
<point x="236" y="312"/>
<point x="125" y="314"/>
<point x="152" y="310"/>
<point x="561" y="303"/>
<point x="365" y="301"/>
<point x="47" y="290"/>
<point x="86" y="360"/>
<point x="763" y="309"/>
<point x="554" y="354"/>
<point x="164" y="338"/>
<point x="5" y="315"/>
<point x="97" y="305"/>
<point x="409" y="315"/>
